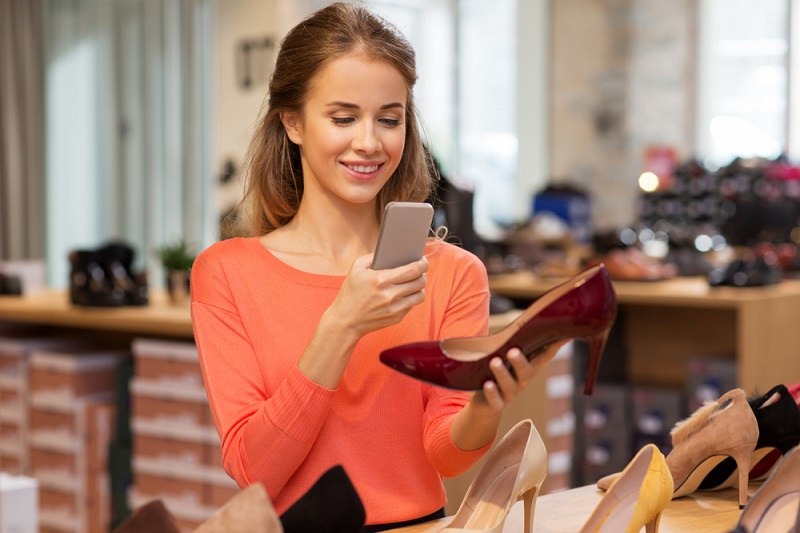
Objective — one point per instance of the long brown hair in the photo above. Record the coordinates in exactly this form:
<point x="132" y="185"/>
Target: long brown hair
<point x="274" y="185"/>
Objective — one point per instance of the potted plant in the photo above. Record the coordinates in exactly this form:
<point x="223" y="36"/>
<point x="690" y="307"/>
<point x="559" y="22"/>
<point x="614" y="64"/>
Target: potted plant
<point x="177" y="260"/>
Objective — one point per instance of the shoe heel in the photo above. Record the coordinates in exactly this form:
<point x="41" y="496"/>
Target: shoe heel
<point x="529" y="500"/>
<point x="652" y="526"/>
<point x="743" y="456"/>
<point x="597" y="344"/>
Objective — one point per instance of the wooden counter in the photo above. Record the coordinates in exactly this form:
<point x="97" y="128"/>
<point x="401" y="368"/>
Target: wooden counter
<point x="54" y="308"/>
<point x="566" y="512"/>
<point x="158" y="318"/>
<point x="667" y="323"/>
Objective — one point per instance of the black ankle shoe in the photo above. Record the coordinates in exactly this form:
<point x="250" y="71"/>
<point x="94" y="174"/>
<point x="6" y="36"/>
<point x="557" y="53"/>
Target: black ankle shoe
<point x="331" y="504"/>
<point x="117" y="261"/>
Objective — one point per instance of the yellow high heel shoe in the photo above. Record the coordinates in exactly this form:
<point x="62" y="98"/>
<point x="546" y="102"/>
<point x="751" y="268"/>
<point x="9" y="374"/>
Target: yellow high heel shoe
<point x="514" y="469"/>
<point x="636" y="498"/>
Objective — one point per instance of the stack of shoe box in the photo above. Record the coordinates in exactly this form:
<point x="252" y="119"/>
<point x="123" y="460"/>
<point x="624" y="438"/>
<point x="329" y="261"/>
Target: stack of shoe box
<point x="604" y="442"/>
<point x="176" y="451"/>
<point x="71" y="415"/>
<point x="15" y="349"/>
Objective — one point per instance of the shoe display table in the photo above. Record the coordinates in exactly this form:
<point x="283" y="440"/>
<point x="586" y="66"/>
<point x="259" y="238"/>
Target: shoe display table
<point x="667" y="323"/>
<point x="561" y="512"/>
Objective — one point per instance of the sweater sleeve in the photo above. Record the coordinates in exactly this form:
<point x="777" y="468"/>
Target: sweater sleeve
<point x="265" y="436"/>
<point x="466" y="315"/>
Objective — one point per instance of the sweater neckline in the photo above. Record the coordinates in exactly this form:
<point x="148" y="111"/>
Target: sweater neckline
<point x="295" y="274"/>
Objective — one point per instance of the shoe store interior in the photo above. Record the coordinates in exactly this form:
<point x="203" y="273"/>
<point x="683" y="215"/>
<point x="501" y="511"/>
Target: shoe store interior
<point x="628" y="170"/>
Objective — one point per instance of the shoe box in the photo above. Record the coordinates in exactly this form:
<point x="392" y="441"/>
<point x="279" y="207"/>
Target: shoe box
<point x="708" y="378"/>
<point x="71" y="413"/>
<point x="176" y="450"/>
<point x="603" y="444"/>
<point x="16" y="345"/>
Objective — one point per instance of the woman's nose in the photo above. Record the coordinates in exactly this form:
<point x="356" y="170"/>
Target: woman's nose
<point x="366" y="139"/>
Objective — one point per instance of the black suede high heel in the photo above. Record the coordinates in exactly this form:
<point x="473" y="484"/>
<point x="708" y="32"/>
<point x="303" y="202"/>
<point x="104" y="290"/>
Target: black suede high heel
<point x="331" y="504"/>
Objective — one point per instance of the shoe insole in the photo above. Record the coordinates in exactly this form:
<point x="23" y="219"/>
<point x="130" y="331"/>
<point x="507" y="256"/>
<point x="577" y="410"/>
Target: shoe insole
<point x="491" y="508"/>
<point x="697" y="476"/>
<point x="615" y="517"/>
<point x="781" y="515"/>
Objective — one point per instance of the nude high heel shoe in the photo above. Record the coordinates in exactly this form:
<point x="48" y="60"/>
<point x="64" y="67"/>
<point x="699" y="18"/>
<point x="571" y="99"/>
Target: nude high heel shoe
<point x="720" y="429"/>
<point x="583" y="307"/>
<point x="249" y="510"/>
<point x="775" y="507"/>
<point x="514" y="469"/>
<point x="636" y="498"/>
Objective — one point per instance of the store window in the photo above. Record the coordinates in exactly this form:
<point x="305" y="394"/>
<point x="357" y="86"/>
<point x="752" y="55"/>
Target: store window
<point x="127" y="127"/>
<point x="743" y="66"/>
<point x="467" y="94"/>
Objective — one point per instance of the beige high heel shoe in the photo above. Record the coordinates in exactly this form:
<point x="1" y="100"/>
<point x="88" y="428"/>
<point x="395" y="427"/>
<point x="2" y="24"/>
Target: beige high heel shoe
<point x="636" y="498"/>
<point x="514" y="469"/>
<point x="775" y="507"/>
<point x="249" y="510"/>
<point x="720" y="429"/>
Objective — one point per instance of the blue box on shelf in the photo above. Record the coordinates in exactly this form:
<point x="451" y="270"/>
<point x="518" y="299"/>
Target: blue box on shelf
<point x="573" y="209"/>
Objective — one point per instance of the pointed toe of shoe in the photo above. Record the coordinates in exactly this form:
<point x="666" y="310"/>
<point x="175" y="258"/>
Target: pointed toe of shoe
<point x="426" y="361"/>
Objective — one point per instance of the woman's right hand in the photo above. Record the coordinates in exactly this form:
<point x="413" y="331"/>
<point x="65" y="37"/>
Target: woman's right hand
<point x="368" y="300"/>
<point x="373" y="299"/>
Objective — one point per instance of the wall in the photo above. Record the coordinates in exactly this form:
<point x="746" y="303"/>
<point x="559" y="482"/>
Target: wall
<point x="622" y="78"/>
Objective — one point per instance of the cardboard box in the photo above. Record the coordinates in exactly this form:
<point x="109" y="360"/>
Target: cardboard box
<point x="167" y="362"/>
<point x="67" y="376"/>
<point x="170" y="449"/>
<point x="170" y="405"/>
<point x="12" y="464"/>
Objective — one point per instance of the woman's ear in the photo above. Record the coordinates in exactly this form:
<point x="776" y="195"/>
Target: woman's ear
<point x="291" y="122"/>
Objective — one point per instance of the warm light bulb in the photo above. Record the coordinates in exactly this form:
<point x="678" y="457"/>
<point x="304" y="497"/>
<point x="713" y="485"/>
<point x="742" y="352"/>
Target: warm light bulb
<point x="648" y="181"/>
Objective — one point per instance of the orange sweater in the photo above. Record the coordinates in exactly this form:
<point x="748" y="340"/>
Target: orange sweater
<point x="253" y="316"/>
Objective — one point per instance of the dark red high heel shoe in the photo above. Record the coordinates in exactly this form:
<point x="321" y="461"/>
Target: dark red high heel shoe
<point x="583" y="307"/>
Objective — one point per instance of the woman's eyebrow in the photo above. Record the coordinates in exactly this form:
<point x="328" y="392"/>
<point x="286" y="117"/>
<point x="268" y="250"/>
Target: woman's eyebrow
<point x="348" y="105"/>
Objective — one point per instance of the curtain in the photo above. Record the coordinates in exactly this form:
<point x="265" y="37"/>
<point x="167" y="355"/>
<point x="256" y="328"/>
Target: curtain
<point x="128" y="127"/>
<point x="21" y="130"/>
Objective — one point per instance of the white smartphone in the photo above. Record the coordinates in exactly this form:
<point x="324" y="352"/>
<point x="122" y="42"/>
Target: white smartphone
<point x="404" y="228"/>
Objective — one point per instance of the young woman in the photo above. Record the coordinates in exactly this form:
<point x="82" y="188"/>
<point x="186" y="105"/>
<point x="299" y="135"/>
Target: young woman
<point x="290" y="321"/>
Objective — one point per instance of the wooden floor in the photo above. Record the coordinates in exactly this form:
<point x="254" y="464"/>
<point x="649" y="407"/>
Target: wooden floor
<point x="566" y="512"/>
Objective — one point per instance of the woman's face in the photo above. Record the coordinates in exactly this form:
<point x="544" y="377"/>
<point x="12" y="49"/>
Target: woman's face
<point x="352" y="129"/>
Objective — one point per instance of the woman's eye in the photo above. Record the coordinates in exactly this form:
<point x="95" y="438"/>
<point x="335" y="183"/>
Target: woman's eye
<point x="390" y="122"/>
<point x="342" y="120"/>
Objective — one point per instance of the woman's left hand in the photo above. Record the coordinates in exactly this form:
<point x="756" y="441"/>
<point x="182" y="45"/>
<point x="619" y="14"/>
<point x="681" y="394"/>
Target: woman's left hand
<point x="506" y="386"/>
<point x="477" y="423"/>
